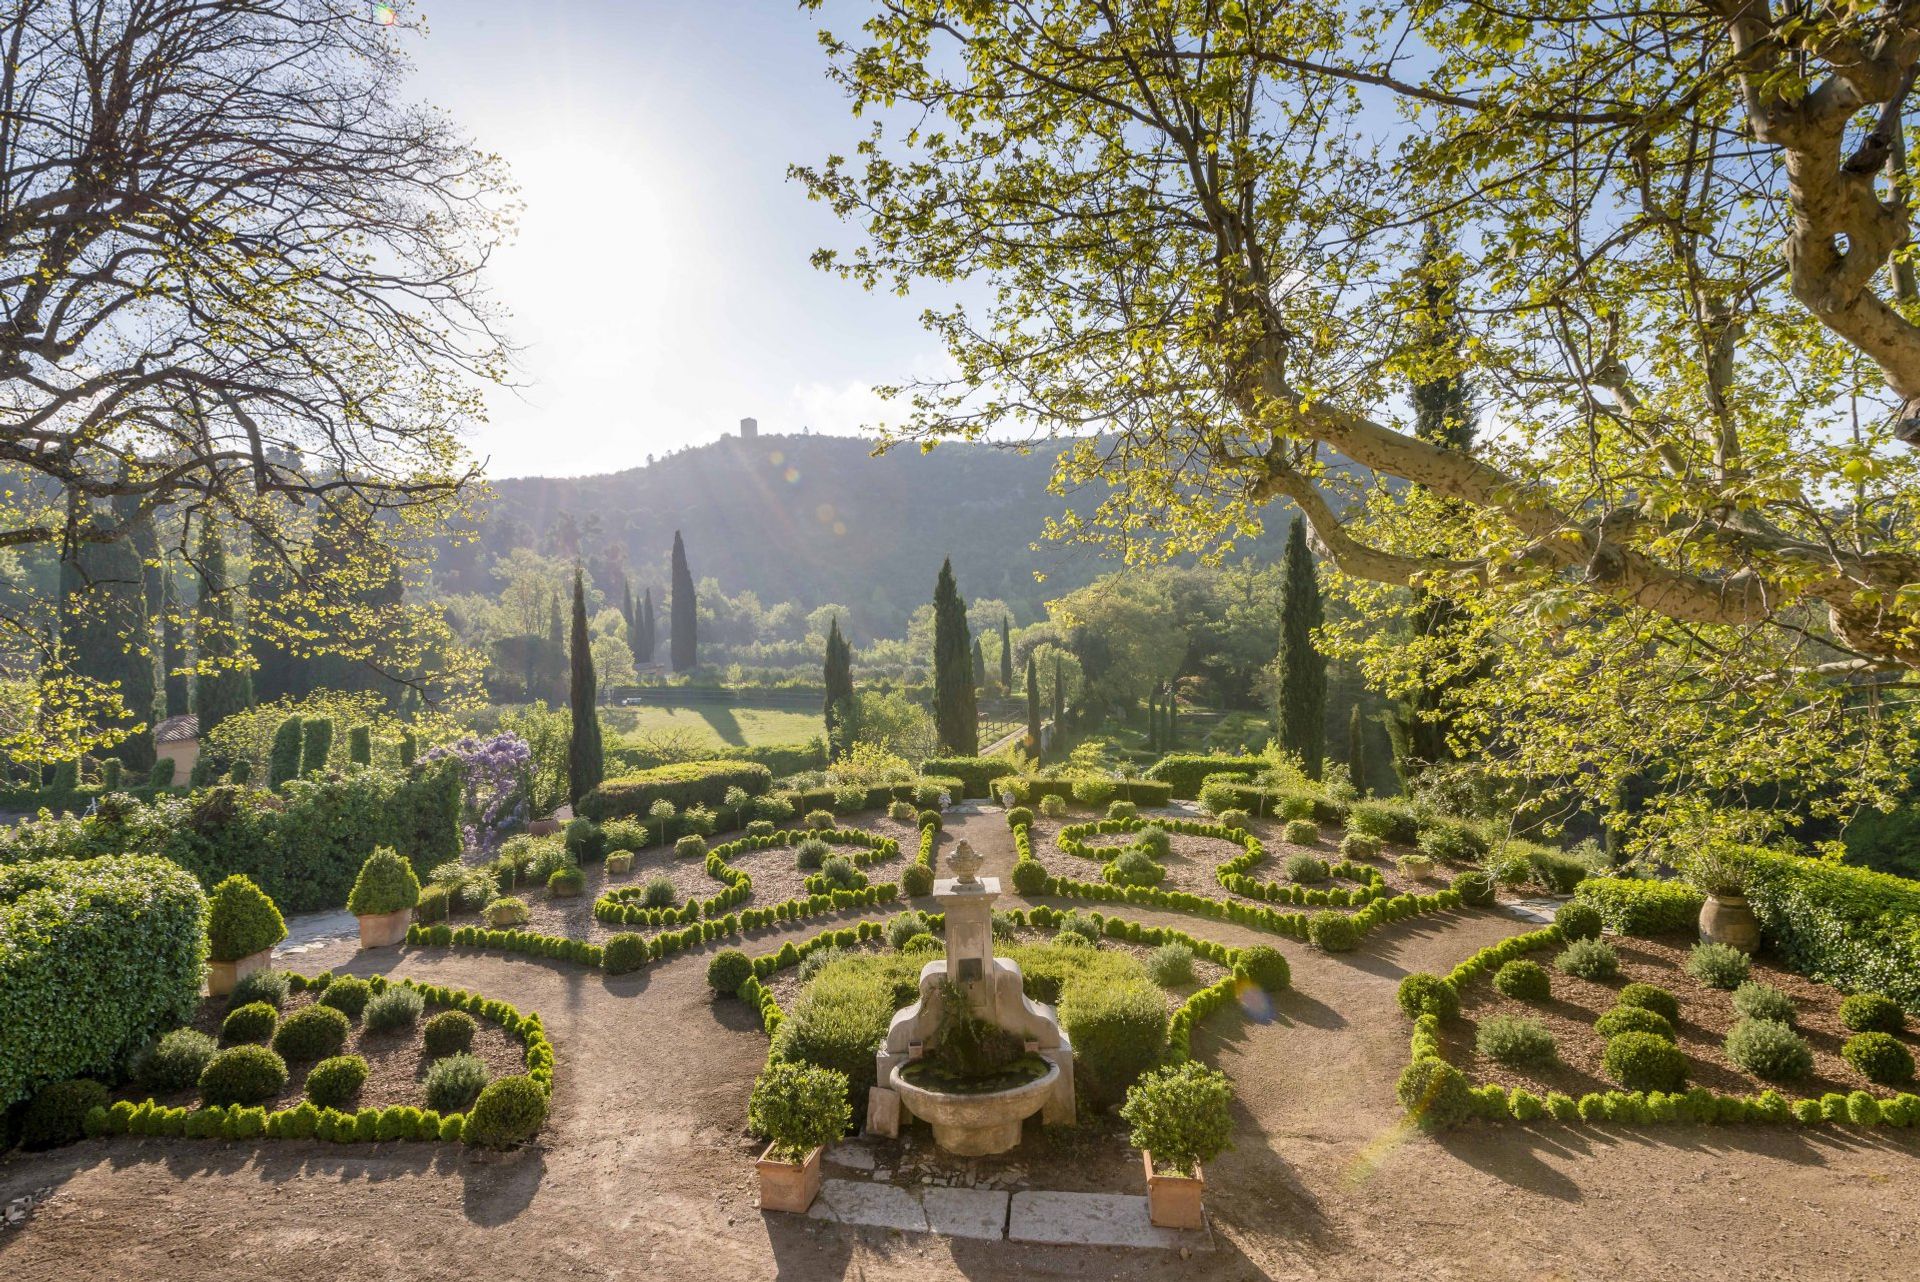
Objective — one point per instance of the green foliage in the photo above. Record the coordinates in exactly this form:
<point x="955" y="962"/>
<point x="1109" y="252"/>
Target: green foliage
<point x="508" y="1112"/>
<point x="1644" y="1062"/>
<point x="728" y="970"/>
<point x="1153" y="842"/>
<point x="565" y="883"/>
<point x="1871" y="1013"/>
<point x="691" y="846"/>
<point x="1592" y="959"/>
<point x="311" y="1033"/>
<point x="96" y="957"/>
<point x="1879" y="1057"/>
<point x="1170" y="965"/>
<point x="1300" y="670"/>
<point x="1185" y="772"/>
<point x="1053" y="806"/>
<point x="332" y="1082"/>
<point x="1718" y="965"/>
<point x="241" y="920"/>
<point x="1769" y="1050"/>
<point x="1134" y="868"/>
<point x="917" y="880"/>
<point x="253" y="1022"/>
<point x="839" y="1021"/>
<point x="1646" y="908"/>
<point x="811" y="853"/>
<point x="1077" y="923"/>
<point x="57" y="1113"/>
<point x="453" y="1081"/>
<point x="1578" y="921"/>
<point x="1118" y="1031"/>
<point x="680" y="784"/>
<point x="1182" y="1115"/>
<point x="175" y="1062"/>
<point x="1434" y="1093"/>
<point x="1122" y="810"/>
<point x="623" y="953"/>
<point x="359" y="746"/>
<point x="394" y="1008"/>
<point x="1651" y="997"/>
<point x="507" y="911"/>
<point x="1856" y="929"/>
<point x="585" y="841"/>
<point x="448" y="1033"/>
<point x="1306" y="869"/>
<point x="243" y="1075"/>
<point x="1523" y="980"/>
<point x="956" y="716"/>
<point x="1634" y="1019"/>
<point x="386" y="884"/>
<point x="348" y="994"/>
<point x="1755" y="1000"/>
<point x="1422" y="994"/>
<point x="1265" y="967"/>
<point x="1475" y="887"/>
<point x="586" y="754"/>
<point x="799" y="1107"/>
<point x="1515" y="1042"/>
<point x="1333" y="932"/>
<point x="316" y="744"/>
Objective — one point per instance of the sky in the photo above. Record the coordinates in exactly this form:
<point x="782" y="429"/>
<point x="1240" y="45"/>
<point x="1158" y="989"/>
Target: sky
<point x="659" y="284"/>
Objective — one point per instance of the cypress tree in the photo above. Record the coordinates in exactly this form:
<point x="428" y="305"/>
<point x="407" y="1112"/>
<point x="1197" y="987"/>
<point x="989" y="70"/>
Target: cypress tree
<point x="1006" y="656"/>
<point x="283" y="759"/>
<point x="683" y="642"/>
<point x="1169" y="718"/>
<point x="646" y="627"/>
<point x="1033" y="707"/>
<point x="1357" y="748"/>
<point x="177" y="695"/>
<point x="1153" y="721"/>
<point x="222" y="687"/>
<point x="839" y="684"/>
<point x="979" y="666"/>
<point x="105" y="633"/>
<point x="956" y="714"/>
<point x="277" y="672"/>
<point x="316" y="744"/>
<point x="360" y="745"/>
<point x="626" y="613"/>
<point x="409" y="749"/>
<point x="1301" y="688"/>
<point x="1059" y="694"/>
<point x="586" y="760"/>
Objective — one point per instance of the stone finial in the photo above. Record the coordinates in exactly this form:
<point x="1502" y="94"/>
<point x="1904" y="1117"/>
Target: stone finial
<point x="966" y="862"/>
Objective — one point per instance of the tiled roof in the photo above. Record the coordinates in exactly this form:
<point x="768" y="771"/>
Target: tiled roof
<point x="177" y="729"/>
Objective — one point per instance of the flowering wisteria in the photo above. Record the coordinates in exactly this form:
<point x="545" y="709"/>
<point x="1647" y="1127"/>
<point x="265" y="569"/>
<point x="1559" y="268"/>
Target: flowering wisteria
<point x="494" y="786"/>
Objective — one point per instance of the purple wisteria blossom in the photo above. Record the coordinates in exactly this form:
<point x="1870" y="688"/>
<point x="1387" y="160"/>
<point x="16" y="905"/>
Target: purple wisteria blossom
<point x="494" y="775"/>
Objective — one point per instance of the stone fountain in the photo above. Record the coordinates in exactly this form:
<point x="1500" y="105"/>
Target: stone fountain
<point x="975" y="1124"/>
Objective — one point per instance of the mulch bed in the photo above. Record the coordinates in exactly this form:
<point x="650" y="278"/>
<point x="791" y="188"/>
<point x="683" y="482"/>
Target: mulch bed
<point x="1706" y="1015"/>
<point x="396" y="1062"/>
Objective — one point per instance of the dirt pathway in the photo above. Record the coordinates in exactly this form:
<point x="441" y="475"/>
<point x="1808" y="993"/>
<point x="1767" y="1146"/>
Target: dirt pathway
<point x="645" y="1170"/>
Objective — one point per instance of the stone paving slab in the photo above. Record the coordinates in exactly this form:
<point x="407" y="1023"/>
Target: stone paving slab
<point x="1094" y="1219"/>
<point x="973" y="1213"/>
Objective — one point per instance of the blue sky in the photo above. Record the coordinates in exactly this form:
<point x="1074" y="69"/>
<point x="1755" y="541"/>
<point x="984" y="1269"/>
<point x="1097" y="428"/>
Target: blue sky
<point x="659" y="281"/>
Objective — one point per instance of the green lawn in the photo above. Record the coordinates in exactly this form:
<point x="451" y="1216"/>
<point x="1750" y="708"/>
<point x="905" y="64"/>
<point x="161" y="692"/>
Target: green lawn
<point x="722" y="725"/>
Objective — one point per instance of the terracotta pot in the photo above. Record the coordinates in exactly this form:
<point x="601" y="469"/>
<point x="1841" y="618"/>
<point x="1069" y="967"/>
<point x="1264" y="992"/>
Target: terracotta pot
<point x="1729" y="919"/>
<point x="224" y="977"/>
<point x="788" y="1186"/>
<point x="381" y="930"/>
<point x="1173" y="1201"/>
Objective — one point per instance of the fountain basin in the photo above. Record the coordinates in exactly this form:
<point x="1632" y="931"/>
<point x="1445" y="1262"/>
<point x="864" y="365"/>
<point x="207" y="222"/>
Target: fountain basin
<point x="976" y="1124"/>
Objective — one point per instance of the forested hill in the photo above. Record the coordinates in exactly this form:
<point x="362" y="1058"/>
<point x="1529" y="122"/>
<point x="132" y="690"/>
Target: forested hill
<point x="809" y="519"/>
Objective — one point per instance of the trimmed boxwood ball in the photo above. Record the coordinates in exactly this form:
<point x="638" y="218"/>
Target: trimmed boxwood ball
<point x="509" y="1111"/>
<point x="1476" y="887"/>
<point x="1333" y="932"/>
<point x="1872" y="1013"/>
<point x="1523" y="980"/>
<point x="1644" y="1062"/>
<point x="1422" y="994"/>
<point x="449" y="1032"/>
<point x="1578" y="921"/>
<point x="691" y="846"/>
<point x="241" y="920"/>
<point x="1633" y="1019"/>
<point x="57" y="1114"/>
<point x="1264" y="966"/>
<point x="1651" y="997"/>
<point x="1756" y="1000"/>
<point x="1134" y="868"/>
<point x="1118" y="1031"/>
<point x="1434" y="1093"/>
<point x="1019" y="817"/>
<point x="176" y="1061"/>
<point x="1515" y="1041"/>
<point x="269" y="986"/>
<point x="348" y="994"/>
<point x="335" y="1081"/>
<point x="1879" y="1058"/>
<point x="1300" y="832"/>
<point x="312" y="1032"/>
<point x="1589" y="959"/>
<point x="453" y="1082"/>
<point x="243" y="1075"/>
<point x="399" y="1007"/>
<point x="1718" y="965"/>
<point x="917" y="880"/>
<point x="624" y="953"/>
<point x="1769" y="1050"/>
<point x="728" y="970"/>
<point x="253" y="1022"/>
<point x="1029" y="877"/>
<point x="1170" y="965"/>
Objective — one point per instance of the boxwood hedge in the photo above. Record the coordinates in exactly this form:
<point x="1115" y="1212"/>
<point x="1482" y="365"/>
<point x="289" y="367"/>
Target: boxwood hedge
<point x="684" y="783"/>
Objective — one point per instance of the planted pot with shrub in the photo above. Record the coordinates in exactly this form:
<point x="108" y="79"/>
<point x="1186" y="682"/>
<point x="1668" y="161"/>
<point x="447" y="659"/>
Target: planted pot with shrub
<point x="1180" y="1118"/>
<point x="800" y="1108"/>
<point x="383" y="895"/>
<point x="566" y="883"/>
<point x="243" y="925"/>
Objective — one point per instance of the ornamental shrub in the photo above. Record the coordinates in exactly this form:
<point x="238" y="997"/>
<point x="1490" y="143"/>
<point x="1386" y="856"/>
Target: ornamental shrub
<point x="1523" y="980"/>
<point x="921" y="943"/>
<point x="1019" y="817"/>
<point x="1872" y="1013"/>
<point x="241" y="920"/>
<point x="1592" y="959"/>
<point x="1078" y="923"/>
<point x="348" y="994"/>
<point x="730" y="968"/>
<point x="310" y="1033"/>
<point x="819" y="819"/>
<point x="839" y="1021"/>
<point x="1181" y="1115"/>
<point x="585" y="840"/>
<point x="901" y="811"/>
<point x="1153" y="842"/>
<point x="507" y="912"/>
<point x="176" y="1061"/>
<point x="1718" y="965"/>
<point x="566" y="883"/>
<point x="1264" y="966"/>
<point x="659" y="893"/>
<point x="1578" y="921"/>
<point x="242" y="1075"/>
<point x="1122" y="810"/>
<point x="1423" y="994"/>
<point x="253" y="1022"/>
<point x="448" y="1033"/>
<point x="58" y="1112"/>
<point x="1118" y="1028"/>
<point x="453" y="1081"/>
<point x="840" y="874"/>
<point x="623" y="953"/>
<point x="1029" y="877"/>
<point x="1306" y="868"/>
<point x="1645" y="1062"/>
<point x="799" y="1107"/>
<point x="810" y="854"/>
<point x="509" y="1111"/>
<point x="904" y="926"/>
<point x="1333" y="932"/>
<point x="917" y="880"/>
<point x="1170" y="965"/>
<point x="397" y="1007"/>
<point x="1634" y="1019"/>
<point x="1434" y="1093"/>
<point x="691" y="846"/>
<point x="332" y="1082"/>
<point x="1358" y="845"/>
<point x="1634" y="906"/>
<point x="1095" y="791"/>
<point x="1769" y="1050"/>
<point x="1879" y="1058"/>
<point x="1053" y="806"/>
<point x="1756" y="1000"/>
<point x="1452" y="842"/>
<point x="1300" y="832"/>
<point x="765" y="828"/>
<point x="680" y="784"/>
<point x="1134" y="868"/>
<point x="1515" y="1041"/>
<point x="629" y="835"/>
<point x="1476" y="887"/>
<point x="1234" y="818"/>
<point x="386" y="884"/>
<point x="1651" y="997"/>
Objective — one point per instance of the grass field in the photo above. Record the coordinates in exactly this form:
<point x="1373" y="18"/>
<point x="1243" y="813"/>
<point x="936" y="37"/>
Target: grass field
<point x="722" y="725"/>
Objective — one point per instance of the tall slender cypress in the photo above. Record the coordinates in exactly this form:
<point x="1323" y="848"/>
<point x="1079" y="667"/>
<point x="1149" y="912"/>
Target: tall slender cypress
<point x="1169" y="719"/>
<point x="222" y="687"/>
<point x="1300" y="703"/>
<point x="979" y="666"/>
<point x="1033" y="707"/>
<point x="586" y="760"/>
<point x="1059" y="694"/>
<point x="683" y="640"/>
<point x="646" y="627"/>
<point x="105" y="631"/>
<point x="956" y="713"/>
<point x="627" y="615"/>
<point x="1357" y="748"/>
<point x="838" y="679"/>
<point x="1006" y="656"/>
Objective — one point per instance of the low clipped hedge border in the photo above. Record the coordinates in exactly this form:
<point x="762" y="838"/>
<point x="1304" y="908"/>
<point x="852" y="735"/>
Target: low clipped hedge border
<point x="1184" y="772"/>
<point x="684" y="783"/>
<point x="1231" y="873"/>
<point x="1856" y="929"/>
<point x="1028" y="789"/>
<point x="1459" y="1100"/>
<point x="615" y="907"/>
<point x="305" y="1121"/>
<point x="974" y="774"/>
<point x="878" y="795"/>
<point x="1030" y="877"/>
<point x="1642" y="906"/>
